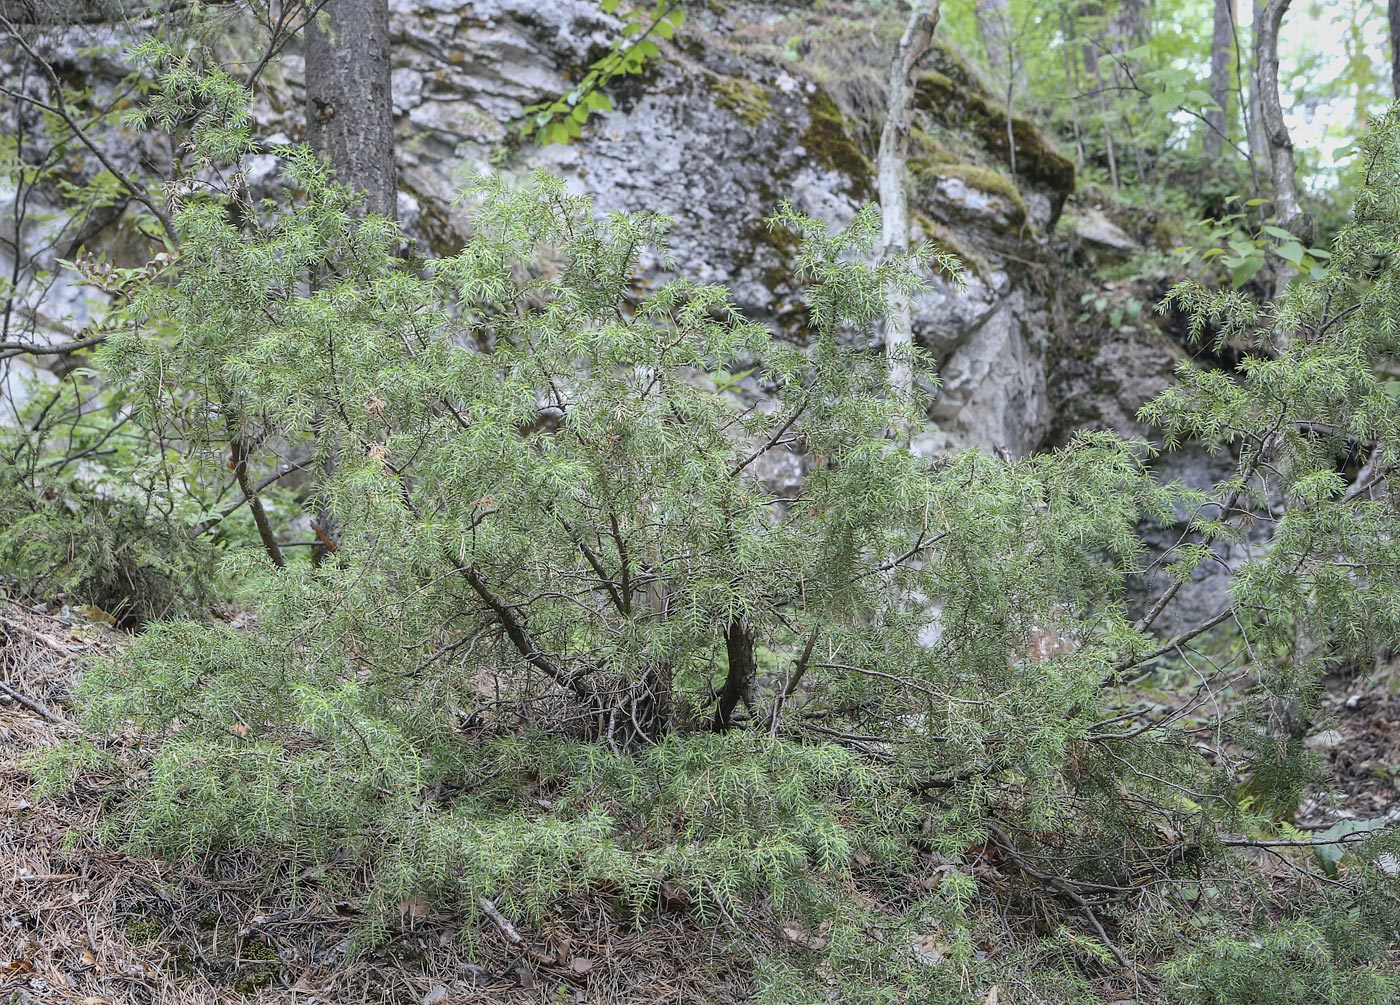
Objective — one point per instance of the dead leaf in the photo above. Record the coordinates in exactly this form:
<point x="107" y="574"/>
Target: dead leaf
<point x="993" y="995"/>
<point x="580" y="964"/>
<point x="674" y="894"/>
<point x="929" y="949"/>
<point x="436" y="996"/>
<point x="815" y="941"/>
<point x="414" y="908"/>
<point x="239" y="730"/>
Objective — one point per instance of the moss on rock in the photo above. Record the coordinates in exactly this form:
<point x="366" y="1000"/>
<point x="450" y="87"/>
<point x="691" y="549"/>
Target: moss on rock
<point x="952" y="96"/>
<point x="829" y="140"/>
<point x="986" y="180"/>
<point x="746" y="99"/>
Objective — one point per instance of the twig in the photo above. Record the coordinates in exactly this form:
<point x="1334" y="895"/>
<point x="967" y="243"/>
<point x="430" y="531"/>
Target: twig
<point x="62" y="112"/>
<point x="518" y="634"/>
<point x="1065" y="887"/>
<point x="48" y="641"/>
<point x="771" y="442"/>
<point x="799" y="670"/>
<point x="209" y="522"/>
<point x="1295" y="843"/>
<point x="239" y="455"/>
<point x="37" y="707"/>
<point x="502" y="922"/>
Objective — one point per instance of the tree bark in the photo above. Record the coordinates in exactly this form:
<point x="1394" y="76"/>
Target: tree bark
<point x="1068" y="30"/>
<point x="350" y="125"/>
<point x="1284" y="174"/>
<point x="893" y="179"/>
<point x="743" y="672"/>
<point x="349" y="103"/>
<point x="1392" y="11"/>
<point x="1221" y="48"/>
<point x="1258" y="142"/>
<point x="1288" y="208"/>
<point x="1091" y="66"/>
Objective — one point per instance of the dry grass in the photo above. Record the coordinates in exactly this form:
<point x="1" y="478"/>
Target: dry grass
<point x="81" y="923"/>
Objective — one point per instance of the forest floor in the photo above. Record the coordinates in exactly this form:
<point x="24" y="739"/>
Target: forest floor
<point x="80" y="923"/>
<point x="83" y="924"/>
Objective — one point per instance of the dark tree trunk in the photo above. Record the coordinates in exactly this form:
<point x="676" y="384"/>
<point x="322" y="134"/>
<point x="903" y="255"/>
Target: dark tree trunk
<point x="1221" y="48"/>
<point x="743" y="672"/>
<point x="349" y="106"/>
<point x="350" y="124"/>
<point x="1392" y="10"/>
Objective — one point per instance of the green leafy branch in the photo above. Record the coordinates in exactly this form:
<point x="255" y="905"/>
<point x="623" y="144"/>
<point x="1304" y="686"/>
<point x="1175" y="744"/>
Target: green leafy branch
<point x="562" y="119"/>
<point x="1243" y="249"/>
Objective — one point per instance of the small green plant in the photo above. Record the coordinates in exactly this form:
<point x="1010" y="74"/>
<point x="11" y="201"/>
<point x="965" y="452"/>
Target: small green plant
<point x="1242" y="246"/>
<point x="561" y="119"/>
<point x="574" y="644"/>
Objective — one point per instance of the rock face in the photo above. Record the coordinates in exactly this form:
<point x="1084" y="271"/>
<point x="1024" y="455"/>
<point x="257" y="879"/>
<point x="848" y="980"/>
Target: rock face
<point x="714" y="138"/>
<point x="719" y="132"/>
<point x="728" y="123"/>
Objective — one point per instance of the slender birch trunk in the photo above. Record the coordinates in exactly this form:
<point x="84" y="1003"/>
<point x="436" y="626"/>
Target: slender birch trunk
<point x="1288" y="208"/>
<point x="893" y="180"/>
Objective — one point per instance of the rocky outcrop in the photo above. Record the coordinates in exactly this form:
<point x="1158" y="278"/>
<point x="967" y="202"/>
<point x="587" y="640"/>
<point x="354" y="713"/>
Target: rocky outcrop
<point x="716" y="135"/>
<point x="714" y="138"/>
<point x="721" y="129"/>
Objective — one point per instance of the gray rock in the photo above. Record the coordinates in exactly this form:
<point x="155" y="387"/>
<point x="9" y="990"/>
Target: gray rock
<point x="1096" y="230"/>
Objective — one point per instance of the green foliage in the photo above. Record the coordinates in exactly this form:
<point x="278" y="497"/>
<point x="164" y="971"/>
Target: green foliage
<point x="573" y="643"/>
<point x="1243" y="246"/>
<point x="1302" y="960"/>
<point x="70" y="526"/>
<point x="561" y="119"/>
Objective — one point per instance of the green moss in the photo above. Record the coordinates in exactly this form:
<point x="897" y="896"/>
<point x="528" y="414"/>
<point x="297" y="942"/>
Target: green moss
<point x="829" y="140"/>
<point x="924" y="145"/>
<point x="139" y="931"/>
<point x="963" y="103"/>
<point x="255" y="967"/>
<point x="744" y="98"/>
<point x="984" y="179"/>
<point x="956" y="68"/>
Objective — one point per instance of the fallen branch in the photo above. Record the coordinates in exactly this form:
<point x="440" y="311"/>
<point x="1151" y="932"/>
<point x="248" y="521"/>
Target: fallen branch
<point x="47" y="641"/>
<point x="37" y="707"/>
<point x="501" y="921"/>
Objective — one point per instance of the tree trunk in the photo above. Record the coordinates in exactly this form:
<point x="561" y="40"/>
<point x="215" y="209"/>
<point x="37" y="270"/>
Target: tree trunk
<point x="349" y="105"/>
<point x="739" y="682"/>
<point x="1068" y="31"/>
<point x="995" y="27"/>
<point x="1392" y="10"/>
<point x="1288" y="209"/>
<point x="1221" y="49"/>
<point x="350" y="125"/>
<point x="1091" y="66"/>
<point x="1286" y="205"/>
<point x="893" y="180"/>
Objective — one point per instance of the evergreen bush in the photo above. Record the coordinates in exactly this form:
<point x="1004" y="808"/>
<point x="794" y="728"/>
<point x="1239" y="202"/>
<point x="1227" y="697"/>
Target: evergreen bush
<point x="570" y="642"/>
